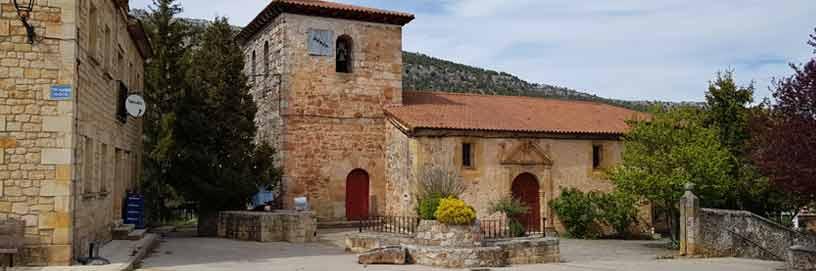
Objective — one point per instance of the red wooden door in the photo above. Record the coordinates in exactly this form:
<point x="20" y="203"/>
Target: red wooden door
<point x="525" y="188"/>
<point x="357" y="195"/>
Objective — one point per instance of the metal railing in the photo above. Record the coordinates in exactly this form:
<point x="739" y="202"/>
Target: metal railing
<point x="388" y="224"/>
<point x="505" y="228"/>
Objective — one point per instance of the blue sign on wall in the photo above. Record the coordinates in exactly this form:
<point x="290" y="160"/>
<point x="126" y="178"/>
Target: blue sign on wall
<point x="61" y="92"/>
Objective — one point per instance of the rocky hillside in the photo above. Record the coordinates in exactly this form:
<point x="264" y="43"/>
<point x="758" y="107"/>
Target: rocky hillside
<point x="422" y="72"/>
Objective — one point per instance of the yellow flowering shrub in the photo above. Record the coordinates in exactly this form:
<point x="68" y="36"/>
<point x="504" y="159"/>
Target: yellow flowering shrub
<point x="453" y="211"/>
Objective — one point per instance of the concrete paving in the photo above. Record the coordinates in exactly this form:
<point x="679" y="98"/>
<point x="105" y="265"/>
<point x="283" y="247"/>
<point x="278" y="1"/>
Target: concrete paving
<point x="204" y="254"/>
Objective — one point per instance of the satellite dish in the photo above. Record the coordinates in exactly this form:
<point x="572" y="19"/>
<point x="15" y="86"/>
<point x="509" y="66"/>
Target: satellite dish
<point x="135" y="105"/>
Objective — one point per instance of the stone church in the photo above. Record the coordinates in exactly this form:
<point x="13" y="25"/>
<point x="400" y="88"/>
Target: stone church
<point x="327" y="78"/>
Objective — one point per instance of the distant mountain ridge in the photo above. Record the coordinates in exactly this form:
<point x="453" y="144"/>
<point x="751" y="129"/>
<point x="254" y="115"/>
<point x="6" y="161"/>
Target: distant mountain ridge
<point x="422" y="72"/>
<point x="426" y="73"/>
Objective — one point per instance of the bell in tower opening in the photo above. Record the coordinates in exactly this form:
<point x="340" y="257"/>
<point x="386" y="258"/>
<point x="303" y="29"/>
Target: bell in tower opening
<point x="343" y="56"/>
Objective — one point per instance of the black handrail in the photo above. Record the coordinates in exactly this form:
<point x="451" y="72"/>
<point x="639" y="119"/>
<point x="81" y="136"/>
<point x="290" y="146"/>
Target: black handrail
<point x="388" y="224"/>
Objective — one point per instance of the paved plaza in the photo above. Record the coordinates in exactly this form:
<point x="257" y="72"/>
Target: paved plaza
<point x="182" y="253"/>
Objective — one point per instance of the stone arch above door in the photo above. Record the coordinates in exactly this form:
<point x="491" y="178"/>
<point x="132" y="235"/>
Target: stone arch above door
<point x="527" y="153"/>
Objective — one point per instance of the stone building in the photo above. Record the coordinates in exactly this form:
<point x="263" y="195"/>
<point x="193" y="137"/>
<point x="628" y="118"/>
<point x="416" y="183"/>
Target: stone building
<point x="327" y="78"/>
<point x="68" y="150"/>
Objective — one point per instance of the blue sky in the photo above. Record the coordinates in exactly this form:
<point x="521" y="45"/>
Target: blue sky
<point x="626" y="49"/>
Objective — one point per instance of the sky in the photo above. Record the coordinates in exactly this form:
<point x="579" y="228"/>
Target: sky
<point x="627" y="49"/>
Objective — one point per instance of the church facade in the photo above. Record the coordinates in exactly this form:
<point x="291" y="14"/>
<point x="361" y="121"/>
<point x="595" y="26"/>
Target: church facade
<point x="327" y="78"/>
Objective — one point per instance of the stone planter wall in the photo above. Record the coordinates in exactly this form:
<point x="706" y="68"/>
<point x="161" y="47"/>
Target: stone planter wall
<point x="440" y="245"/>
<point x="457" y="257"/>
<point x="290" y="226"/>
<point x="434" y="233"/>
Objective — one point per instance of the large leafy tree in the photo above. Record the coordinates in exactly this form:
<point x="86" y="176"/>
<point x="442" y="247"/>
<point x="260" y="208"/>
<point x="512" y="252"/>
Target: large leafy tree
<point x="728" y="110"/>
<point x="165" y="80"/>
<point x="216" y="162"/>
<point x="785" y="137"/>
<point x="661" y="155"/>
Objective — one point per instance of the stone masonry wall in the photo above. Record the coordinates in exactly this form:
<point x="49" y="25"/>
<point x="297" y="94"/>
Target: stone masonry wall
<point x="43" y="141"/>
<point x="108" y="152"/>
<point x="334" y="122"/>
<point x="265" y="79"/>
<point x="490" y="179"/>
<point x="36" y="132"/>
<point x="290" y="226"/>
<point x="727" y="233"/>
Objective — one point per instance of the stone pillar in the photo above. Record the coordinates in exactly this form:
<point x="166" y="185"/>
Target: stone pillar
<point x="689" y="221"/>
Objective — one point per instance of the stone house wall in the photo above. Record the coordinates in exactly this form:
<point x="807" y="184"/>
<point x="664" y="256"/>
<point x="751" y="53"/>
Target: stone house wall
<point x="496" y="165"/>
<point x="331" y="123"/>
<point x="42" y="139"/>
<point x="108" y="152"/>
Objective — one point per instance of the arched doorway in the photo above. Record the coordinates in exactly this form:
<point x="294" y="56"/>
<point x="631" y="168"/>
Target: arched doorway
<point x="525" y="188"/>
<point x="357" y="195"/>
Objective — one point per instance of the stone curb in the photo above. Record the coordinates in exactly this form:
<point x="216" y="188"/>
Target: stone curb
<point x="148" y="243"/>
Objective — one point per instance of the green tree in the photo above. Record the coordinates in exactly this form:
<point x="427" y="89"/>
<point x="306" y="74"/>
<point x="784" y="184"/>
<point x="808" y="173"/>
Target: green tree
<point x="216" y="163"/>
<point x="728" y="110"/>
<point x="165" y="79"/>
<point x="661" y="155"/>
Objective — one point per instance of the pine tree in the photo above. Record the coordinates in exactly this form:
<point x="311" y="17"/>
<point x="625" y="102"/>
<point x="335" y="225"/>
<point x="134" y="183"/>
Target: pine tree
<point x="165" y="77"/>
<point x="216" y="162"/>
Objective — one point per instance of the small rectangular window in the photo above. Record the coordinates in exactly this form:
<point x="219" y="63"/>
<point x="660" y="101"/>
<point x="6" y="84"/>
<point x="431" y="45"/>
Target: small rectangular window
<point x="121" y="112"/>
<point x="596" y="156"/>
<point x="467" y="155"/>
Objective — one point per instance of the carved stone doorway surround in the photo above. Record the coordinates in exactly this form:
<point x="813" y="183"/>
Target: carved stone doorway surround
<point x="528" y="157"/>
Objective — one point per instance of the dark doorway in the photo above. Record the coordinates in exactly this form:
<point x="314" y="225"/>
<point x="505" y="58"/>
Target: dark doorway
<point x="357" y="195"/>
<point x="525" y="188"/>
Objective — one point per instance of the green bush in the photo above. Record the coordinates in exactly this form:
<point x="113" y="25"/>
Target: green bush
<point x="512" y="208"/>
<point x="427" y="207"/>
<point x="453" y="211"/>
<point x="577" y="212"/>
<point x="618" y="210"/>
<point x="583" y="213"/>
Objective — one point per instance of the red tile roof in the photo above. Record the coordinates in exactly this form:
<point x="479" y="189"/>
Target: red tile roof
<point x="323" y="9"/>
<point x="436" y="110"/>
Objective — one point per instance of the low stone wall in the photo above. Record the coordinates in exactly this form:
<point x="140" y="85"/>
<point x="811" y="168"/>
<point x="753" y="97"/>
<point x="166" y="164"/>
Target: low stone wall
<point x="290" y="226"/>
<point x="489" y="253"/>
<point x="362" y="242"/>
<point x="530" y="251"/>
<point x="433" y="233"/>
<point x="457" y="257"/>
<point x="744" y="234"/>
<point x="801" y="259"/>
<point x="731" y="233"/>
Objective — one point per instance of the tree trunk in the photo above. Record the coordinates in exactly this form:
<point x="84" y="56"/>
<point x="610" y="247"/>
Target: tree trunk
<point x="207" y="223"/>
<point x="670" y="220"/>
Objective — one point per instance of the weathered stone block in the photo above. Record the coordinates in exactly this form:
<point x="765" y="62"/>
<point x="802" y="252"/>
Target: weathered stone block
<point x="56" y="124"/>
<point x="56" y="156"/>
<point x="386" y="255"/>
<point x="801" y="258"/>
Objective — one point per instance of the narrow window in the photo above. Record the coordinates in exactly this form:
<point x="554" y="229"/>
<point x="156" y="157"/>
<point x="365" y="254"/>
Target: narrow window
<point x="252" y="67"/>
<point x="88" y="158"/>
<point x="121" y="96"/>
<point x="467" y="155"/>
<point x="92" y="31"/>
<point x="266" y="59"/>
<point x="596" y="156"/>
<point x="344" y="56"/>
<point x="107" y="51"/>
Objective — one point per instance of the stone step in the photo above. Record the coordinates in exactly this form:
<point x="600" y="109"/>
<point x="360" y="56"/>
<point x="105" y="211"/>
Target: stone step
<point x="136" y="234"/>
<point x="121" y="232"/>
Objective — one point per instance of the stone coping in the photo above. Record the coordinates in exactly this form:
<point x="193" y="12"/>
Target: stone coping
<point x="275" y="212"/>
<point x="803" y="249"/>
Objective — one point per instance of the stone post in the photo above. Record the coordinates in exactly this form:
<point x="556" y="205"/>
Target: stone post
<point x="689" y="221"/>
